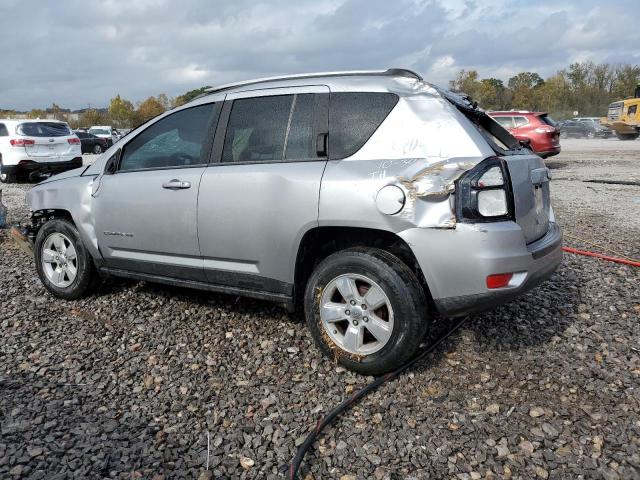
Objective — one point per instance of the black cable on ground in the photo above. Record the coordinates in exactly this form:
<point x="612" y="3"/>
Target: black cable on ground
<point x="345" y="405"/>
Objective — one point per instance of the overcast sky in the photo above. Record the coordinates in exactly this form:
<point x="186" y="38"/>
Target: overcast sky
<point x="81" y="52"/>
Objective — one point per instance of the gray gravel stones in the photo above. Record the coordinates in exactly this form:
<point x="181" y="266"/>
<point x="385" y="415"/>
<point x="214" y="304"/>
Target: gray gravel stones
<point x="129" y="382"/>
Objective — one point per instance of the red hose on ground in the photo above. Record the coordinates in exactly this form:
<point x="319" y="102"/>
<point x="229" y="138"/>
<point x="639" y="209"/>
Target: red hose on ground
<point x="624" y="261"/>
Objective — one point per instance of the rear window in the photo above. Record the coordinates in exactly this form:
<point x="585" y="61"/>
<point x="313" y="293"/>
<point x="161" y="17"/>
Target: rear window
<point x="547" y="119"/>
<point x="354" y="117"/>
<point x="99" y="131"/>
<point x="43" y="129"/>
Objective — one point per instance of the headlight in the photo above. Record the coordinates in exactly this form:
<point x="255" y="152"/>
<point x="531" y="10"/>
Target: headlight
<point x="484" y="193"/>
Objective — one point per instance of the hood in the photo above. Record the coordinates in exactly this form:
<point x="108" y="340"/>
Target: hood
<point x="76" y="172"/>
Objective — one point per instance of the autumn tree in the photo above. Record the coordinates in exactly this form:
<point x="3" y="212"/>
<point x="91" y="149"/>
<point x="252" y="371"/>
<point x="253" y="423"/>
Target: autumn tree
<point x="121" y="112"/>
<point x="93" y="117"/>
<point x="151" y="107"/>
<point x="188" y="96"/>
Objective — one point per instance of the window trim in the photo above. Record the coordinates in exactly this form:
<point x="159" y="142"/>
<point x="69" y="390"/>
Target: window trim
<point x="320" y="122"/>
<point x="206" y="145"/>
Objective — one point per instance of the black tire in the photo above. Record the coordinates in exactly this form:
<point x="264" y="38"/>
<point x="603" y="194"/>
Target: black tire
<point x="627" y="136"/>
<point x="97" y="149"/>
<point x="7" y="177"/>
<point x="407" y="298"/>
<point x="86" y="277"/>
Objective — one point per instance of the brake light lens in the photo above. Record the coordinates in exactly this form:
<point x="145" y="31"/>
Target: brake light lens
<point x="499" y="280"/>
<point x="74" y="141"/>
<point x="545" y="129"/>
<point x="21" y="142"/>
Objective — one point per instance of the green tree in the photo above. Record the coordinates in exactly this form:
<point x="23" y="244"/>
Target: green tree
<point x="121" y="112"/>
<point x="188" y="96"/>
<point x="36" y="113"/>
<point x="93" y="117"/>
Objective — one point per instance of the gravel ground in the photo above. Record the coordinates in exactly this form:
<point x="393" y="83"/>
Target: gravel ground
<point x="135" y="381"/>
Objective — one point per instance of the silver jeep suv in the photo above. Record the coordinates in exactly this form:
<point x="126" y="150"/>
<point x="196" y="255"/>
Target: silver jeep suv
<point x="370" y="200"/>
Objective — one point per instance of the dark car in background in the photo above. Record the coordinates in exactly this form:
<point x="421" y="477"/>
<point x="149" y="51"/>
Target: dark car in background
<point x="584" y="127"/>
<point x="90" y="143"/>
<point x="535" y="128"/>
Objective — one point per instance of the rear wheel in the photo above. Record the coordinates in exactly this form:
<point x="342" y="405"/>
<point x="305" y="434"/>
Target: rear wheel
<point x="64" y="265"/>
<point x="627" y="136"/>
<point x="366" y="309"/>
<point x="97" y="149"/>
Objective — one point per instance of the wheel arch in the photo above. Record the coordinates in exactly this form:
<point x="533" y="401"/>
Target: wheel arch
<point x="320" y="242"/>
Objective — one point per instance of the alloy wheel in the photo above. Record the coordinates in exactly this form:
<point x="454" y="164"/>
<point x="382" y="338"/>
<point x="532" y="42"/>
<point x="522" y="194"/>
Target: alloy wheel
<point x="356" y="314"/>
<point x="59" y="260"/>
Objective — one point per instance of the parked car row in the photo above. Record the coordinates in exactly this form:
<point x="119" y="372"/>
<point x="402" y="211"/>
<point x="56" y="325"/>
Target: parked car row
<point x="583" y="127"/>
<point x="32" y="148"/>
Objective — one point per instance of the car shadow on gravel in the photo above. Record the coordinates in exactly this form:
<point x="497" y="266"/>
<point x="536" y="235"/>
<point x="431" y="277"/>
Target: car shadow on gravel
<point x="531" y="320"/>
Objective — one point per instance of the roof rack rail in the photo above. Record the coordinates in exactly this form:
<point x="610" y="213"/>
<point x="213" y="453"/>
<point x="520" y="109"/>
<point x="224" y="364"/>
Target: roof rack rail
<point x="390" y="72"/>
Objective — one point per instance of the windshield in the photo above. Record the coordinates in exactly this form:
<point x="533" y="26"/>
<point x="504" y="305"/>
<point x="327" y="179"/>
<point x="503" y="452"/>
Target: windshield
<point x="99" y="131"/>
<point x="43" y="129"/>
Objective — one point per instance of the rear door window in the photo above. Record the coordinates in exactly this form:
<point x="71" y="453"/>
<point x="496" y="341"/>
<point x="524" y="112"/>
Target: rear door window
<point x="354" y="117"/>
<point x="43" y="129"/>
<point x="506" y="122"/>
<point x="520" y="121"/>
<point x="3" y="130"/>
<point x="182" y="139"/>
<point x="271" y="129"/>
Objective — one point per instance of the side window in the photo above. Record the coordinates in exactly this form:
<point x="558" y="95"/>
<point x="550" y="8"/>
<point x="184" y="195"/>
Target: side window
<point x="178" y="140"/>
<point x="506" y="122"/>
<point x="520" y="121"/>
<point x="354" y="117"/>
<point x="3" y="130"/>
<point x="632" y="110"/>
<point x="270" y="129"/>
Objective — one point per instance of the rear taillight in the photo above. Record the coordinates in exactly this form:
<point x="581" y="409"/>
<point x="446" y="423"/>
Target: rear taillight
<point x="499" y="280"/>
<point x="21" y="142"/>
<point x="73" y="141"/>
<point x="545" y="129"/>
<point x="484" y="193"/>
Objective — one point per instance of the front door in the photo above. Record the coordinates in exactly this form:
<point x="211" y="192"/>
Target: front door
<point x="261" y="196"/>
<point x="146" y="209"/>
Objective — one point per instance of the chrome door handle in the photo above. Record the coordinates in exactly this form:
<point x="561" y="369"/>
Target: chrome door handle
<point x="176" y="184"/>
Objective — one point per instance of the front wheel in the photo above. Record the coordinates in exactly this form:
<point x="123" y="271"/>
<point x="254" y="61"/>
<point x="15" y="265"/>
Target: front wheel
<point x="64" y="265"/>
<point x="97" y="149"/>
<point x="366" y="309"/>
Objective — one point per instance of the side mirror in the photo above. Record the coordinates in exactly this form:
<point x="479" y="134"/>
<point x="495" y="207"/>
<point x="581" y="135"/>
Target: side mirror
<point x="111" y="166"/>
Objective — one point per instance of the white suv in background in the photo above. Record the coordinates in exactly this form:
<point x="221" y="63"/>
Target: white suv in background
<point x="105" y="131"/>
<point x="35" y="147"/>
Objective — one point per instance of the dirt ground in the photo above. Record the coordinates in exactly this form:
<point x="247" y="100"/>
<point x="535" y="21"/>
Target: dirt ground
<point x="146" y="381"/>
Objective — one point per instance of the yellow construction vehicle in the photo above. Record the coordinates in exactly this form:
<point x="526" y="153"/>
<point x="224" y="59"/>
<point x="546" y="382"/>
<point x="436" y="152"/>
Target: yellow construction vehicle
<point x="623" y="117"/>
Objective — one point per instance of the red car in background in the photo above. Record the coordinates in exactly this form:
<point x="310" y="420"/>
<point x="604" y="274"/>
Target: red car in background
<point x="536" y="127"/>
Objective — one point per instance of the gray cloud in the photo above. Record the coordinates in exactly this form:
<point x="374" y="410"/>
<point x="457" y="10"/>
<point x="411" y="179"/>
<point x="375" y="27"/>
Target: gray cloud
<point x="77" y="52"/>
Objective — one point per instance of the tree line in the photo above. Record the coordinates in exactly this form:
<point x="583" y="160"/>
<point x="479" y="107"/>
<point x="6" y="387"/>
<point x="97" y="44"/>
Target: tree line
<point x="585" y="87"/>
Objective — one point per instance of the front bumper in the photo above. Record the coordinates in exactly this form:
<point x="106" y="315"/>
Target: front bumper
<point x="456" y="263"/>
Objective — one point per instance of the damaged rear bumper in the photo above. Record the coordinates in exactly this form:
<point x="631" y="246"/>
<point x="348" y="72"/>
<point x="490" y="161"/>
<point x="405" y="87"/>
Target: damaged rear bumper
<point x="456" y="263"/>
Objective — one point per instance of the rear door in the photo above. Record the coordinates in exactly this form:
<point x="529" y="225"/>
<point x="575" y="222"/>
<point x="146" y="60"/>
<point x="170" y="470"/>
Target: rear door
<point x="146" y="210"/>
<point x="261" y="196"/>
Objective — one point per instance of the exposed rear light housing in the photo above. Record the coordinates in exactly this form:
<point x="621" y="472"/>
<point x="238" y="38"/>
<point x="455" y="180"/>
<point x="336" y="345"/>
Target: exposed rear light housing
<point x="21" y="142"/>
<point x="483" y="194"/>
